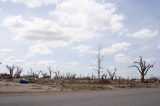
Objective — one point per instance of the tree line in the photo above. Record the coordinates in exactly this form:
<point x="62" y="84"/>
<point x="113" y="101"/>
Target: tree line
<point x="142" y="67"/>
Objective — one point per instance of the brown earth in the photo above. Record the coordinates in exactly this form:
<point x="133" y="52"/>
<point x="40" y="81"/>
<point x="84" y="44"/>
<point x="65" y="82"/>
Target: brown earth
<point x="43" y="86"/>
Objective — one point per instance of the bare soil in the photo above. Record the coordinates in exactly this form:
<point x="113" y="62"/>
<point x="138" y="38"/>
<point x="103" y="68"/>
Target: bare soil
<point x="47" y="85"/>
<point x="15" y="87"/>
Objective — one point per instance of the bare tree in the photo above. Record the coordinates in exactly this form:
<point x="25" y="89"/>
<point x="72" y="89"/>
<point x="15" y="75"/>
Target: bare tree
<point x="70" y="76"/>
<point x="40" y="72"/>
<point x="50" y="71"/>
<point x="142" y="67"/>
<point x="18" y="73"/>
<point x="112" y="74"/>
<point x="93" y="76"/>
<point x="44" y="75"/>
<point x="98" y="60"/>
<point x="32" y="75"/>
<point x="104" y="76"/>
<point x="11" y="70"/>
<point x="56" y="75"/>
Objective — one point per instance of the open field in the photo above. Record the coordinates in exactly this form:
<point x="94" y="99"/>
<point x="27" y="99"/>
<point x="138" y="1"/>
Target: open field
<point x="47" y="85"/>
<point x="14" y="87"/>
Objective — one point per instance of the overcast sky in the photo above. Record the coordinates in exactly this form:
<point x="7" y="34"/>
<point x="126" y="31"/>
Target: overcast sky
<point x="66" y="34"/>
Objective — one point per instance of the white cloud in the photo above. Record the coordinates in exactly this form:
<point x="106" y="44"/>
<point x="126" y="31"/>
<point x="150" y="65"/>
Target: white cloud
<point x="43" y="31"/>
<point x="145" y="33"/>
<point x="44" y="63"/>
<point x="83" y="49"/>
<point x="25" y="63"/>
<point x="36" y="29"/>
<point x="44" y="48"/>
<point x="151" y="60"/>
<point x="6" y="57"/>
<point x="111" y="68"/>
<point x="14" y="60"/>
<point x="39" y="49"/>
<point x="71" y="65"/>
<point x="116" y="48"/>
<point x="5" y="52"/>
<point x="122" y="58"/>
<point x="72" y="21"/>
<point x="14" y="22"/>
<point x="146" y="48"/>
<point x="33" y="3"/>
<point x="80" y="14"/>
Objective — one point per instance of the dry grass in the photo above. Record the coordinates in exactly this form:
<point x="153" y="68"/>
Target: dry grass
<point x="47" y="85"/>
<point x="14" y="87"/>
<point x="94" y="84"/>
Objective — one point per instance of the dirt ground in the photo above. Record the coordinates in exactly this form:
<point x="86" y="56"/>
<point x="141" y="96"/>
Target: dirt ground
<point x="15" y="87"/>
<point x="43" y="86"/>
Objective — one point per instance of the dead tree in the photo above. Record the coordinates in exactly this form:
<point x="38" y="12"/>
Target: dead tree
<point x="104" y="76"/>
<point x="44" y="75"/>
<point x="4" y="76"/>
<point x="18" y="73"/>
<point x="70" y="76"/>
<point x="112" y="74"/>
<point x="142" y="67"/>
<point x="11" y="70"/>
<point x="98" y="60"/>
<point x="32" y="75"/>
<point x="40" y="72"/>
<point x="50" y="72"/>
<point x="57" y="74"/>
<point x="93" y="76"/>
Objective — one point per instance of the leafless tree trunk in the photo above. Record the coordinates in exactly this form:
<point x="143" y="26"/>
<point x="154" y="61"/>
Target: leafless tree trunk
<point x="50" y="72"/>
<point x="70" y="76"/>
<point x="104" y="76"/>
<point x="57" y="75"/>
<point x="112" y="75"/>
<point x="11" y="70"/>
<point x="18" y="73"/>
<point x="44" y="75"/>
<point x="98" y="60"/>
<point x="33" y="74"/>
<point x="40" y="72"/>
<point x="142" y="67"/>
<point x="93" y="76"/>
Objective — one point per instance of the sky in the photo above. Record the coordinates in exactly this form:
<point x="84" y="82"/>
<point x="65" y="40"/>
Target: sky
<point x="66" y="34"/>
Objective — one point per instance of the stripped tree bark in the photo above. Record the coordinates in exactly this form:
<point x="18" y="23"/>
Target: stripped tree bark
<point x="98" y="60"/>
<point x="17" y="75"/>
<point x="112" y="75"/>
<point x="11" y="70"/>
<point x="142" y="67"/>
<point x="50" y="72"/>
<point x="57" y="73"/>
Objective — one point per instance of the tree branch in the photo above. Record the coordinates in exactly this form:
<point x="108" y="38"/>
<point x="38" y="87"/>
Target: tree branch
<point x="136" y="67"/>
<point x="149" y="66"/>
